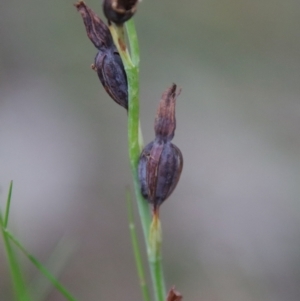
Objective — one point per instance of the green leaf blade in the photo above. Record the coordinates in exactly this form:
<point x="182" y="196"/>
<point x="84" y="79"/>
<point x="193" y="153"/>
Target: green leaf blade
<point x="42" y="269"/>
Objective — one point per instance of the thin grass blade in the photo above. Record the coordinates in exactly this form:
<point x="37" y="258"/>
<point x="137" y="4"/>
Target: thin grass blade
<point x="5" y="222"/>
<point x="42" y="269"/>
<point x="19" y="286"/>
<point x="40" y="287"/>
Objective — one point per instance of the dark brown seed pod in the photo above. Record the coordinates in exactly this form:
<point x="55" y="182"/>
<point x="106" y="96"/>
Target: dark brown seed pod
<point x="119" y="11"/>
<point x="161" y="161"/>
<point x="108" y="63"/>
<point x="111" y="73"/>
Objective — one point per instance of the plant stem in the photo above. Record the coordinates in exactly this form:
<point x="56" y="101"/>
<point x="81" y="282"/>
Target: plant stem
<point x="136" y="250"/>
<point x="133" y="42"/>
<point x="158" y="277"/>
<point x="131" y="65"/>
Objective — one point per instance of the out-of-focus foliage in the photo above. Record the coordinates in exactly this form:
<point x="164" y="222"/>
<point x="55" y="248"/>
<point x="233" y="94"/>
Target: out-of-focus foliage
<point x="230" y="229"/>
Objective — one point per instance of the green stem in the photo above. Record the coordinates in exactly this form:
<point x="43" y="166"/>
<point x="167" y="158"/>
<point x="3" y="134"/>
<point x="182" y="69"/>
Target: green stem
<point x="137" y="251"/>
<point x="131" y="65"/>
<point x="133" y="42"/>
<point x="134" y="146"/>
<point x="155" y="265"/>
<point x="158" y="279"/>
<point x="155" y="239"/>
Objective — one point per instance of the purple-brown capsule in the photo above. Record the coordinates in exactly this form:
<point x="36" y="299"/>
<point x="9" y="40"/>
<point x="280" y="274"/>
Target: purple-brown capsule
<point x="108" y="63"/>
<point x="119" y="11"/>
<point x="161" y="161"/>
<point x="112" y="75"/>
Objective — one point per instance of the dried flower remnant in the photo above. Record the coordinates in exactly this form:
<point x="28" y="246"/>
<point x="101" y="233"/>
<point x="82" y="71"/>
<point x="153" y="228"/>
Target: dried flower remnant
<point x="174" y="295"/>
<point x="161" y="161"/>
<point x="119" y="11"/>
<point x="96" y="29"/>
<point x="108" y="63"/>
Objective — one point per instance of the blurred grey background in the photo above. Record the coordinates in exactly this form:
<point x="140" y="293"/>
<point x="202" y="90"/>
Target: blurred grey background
<point x="231" y="228"/>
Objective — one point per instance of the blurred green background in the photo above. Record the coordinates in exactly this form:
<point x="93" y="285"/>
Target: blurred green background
<point x="231" y="228"/>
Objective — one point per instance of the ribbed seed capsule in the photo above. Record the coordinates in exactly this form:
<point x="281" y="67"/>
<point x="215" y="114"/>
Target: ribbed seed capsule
<point x="108" y="63"/>
<point x="112" y="75"/>
<point x="119" y="11"/>
<point x="161" y="161"/>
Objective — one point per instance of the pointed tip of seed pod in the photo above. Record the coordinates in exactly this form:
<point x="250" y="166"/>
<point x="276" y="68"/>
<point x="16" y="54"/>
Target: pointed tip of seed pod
<point x="79" y="3"/>
<point x="165" y="121"/>
<point x="96" y="29"/>
<point x="174" y="295"/>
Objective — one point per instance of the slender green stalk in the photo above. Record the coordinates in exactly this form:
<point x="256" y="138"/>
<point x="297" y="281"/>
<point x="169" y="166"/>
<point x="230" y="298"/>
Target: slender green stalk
<point x="158" y="277"/>
<point x="40" y="287"/>
<point x="134" y="150"/>
<point x="19" y="286"/>
<point x="137" y="251"/>
<point x="154" y="263"/>
<point x="5" y="223"/>
<point x="133" y="42"/>
<point x="141" y="139"/>
<point x="131" y="65"/>
<point x="41" y="268"/>
<point x="155" y="239"/>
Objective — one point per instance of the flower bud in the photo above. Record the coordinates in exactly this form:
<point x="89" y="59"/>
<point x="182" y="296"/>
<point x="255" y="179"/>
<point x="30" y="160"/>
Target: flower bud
<point x="161" y="161"/>
<point x="119" y="11"/>
<point x="108" y="63"/>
